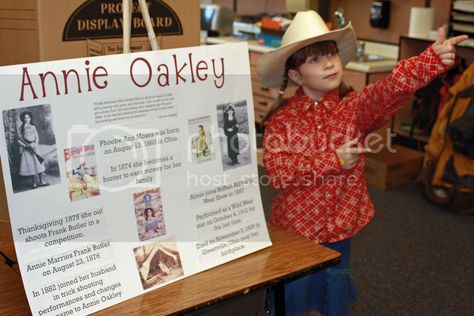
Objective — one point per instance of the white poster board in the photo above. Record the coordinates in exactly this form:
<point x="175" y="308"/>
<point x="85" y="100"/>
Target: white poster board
<point x="125" y="173"/>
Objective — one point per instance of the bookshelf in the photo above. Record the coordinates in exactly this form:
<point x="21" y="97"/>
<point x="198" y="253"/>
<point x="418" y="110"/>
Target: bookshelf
<point x="461" y="18"/>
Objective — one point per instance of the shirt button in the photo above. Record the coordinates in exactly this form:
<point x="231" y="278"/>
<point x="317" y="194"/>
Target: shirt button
<point x="316" y="102"/>
<point x="319" y="126"/>
<point x="329" y="195"/>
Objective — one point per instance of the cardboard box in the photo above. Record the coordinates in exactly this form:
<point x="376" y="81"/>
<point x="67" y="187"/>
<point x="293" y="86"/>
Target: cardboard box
<point x="101" y="48"/>
<point x="386" y="169"/>
<point x="40" y="30"/>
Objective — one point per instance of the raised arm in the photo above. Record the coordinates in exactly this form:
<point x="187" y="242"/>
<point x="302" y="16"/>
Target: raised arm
<point x="377" y="102"/>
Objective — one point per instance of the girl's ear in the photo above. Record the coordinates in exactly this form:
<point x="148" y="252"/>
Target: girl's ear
<point x="295" y="76"/>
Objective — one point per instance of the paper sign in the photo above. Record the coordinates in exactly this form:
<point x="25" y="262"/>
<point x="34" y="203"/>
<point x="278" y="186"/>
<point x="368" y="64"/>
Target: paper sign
<point x="125" y="173"/>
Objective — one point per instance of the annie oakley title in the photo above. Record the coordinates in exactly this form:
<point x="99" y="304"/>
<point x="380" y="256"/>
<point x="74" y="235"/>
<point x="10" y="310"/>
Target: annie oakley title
<point x="141" y="71"/>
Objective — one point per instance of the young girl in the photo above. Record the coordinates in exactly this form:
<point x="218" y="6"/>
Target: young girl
<point x="313" y="145"/>
<point x="28" y="140"/>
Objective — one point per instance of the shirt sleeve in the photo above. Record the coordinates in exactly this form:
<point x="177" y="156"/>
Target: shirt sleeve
<point x="286" y="167"/>
<point x="379" y="101"/>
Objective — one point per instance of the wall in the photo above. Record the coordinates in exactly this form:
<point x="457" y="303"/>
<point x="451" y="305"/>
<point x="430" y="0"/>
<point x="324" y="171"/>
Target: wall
<point x="253" y="7"/>
<point x="359" y="13"/>
<point x="356" y="11"/>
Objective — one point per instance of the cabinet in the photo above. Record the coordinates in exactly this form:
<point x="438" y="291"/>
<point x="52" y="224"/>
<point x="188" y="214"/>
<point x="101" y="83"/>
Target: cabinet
<point x="262" y="97"/>
<point x="358" y="80"/>
<point x="410" y="47"/>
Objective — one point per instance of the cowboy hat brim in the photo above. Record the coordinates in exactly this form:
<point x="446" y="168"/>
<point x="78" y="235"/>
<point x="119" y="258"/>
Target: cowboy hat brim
<point x="271" y="65"/>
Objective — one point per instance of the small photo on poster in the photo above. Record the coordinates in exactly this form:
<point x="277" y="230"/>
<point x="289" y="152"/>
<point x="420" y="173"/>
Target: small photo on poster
<point x="31" y="146"/>
<point x="201" y="145"/>
<point x="149" y="214"/>
<point x="158" y="263"/>
<point x="234" y="135"/>
<point x="81" y="172"/>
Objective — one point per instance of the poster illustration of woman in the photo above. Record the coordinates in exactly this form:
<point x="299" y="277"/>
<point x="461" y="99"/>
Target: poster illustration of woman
<point x="202" y="148"/>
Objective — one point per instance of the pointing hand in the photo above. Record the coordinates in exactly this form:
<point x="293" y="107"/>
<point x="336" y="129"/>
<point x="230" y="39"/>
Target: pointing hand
<point x="445" y="49"/>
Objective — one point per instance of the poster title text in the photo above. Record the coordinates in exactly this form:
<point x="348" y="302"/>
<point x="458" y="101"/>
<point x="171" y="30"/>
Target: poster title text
<point x="142" y="73"/>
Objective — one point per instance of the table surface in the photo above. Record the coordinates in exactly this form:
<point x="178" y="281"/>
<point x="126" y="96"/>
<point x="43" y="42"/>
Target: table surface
<point x="289" y="256"/>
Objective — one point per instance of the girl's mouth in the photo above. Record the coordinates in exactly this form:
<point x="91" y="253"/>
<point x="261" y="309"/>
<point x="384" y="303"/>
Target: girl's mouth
<point x="330" y="76"/>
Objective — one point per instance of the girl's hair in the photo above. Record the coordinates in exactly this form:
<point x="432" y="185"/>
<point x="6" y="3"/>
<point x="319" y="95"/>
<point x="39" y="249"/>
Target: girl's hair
<point x="230" y="108"/>
<point x="149" y="209"/>
<point x="24" y="113"/>
<point x="201" y="128"/>
<point x="296" y="60"/>
<point x="226" y="112"/>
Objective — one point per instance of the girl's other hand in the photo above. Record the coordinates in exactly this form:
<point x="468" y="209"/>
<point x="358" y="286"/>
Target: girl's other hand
<point x="348" y="153"/>
<point x="445" y="49"/>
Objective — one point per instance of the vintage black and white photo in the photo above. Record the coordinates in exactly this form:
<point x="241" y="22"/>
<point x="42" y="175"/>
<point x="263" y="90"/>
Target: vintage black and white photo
<point x="31" y="146"/>
<point x="234" y="139"/>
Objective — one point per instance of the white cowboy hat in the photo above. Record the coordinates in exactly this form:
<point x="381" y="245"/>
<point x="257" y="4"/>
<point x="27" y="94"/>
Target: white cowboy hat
<point x="306" y="28"/>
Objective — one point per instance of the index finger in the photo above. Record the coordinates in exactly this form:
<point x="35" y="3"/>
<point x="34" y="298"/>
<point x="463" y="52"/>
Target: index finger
<point x="457" y="39"/>
<point x="352" y="142"/>
<point x="441" y="35"/>
<point x="357" y="150"/>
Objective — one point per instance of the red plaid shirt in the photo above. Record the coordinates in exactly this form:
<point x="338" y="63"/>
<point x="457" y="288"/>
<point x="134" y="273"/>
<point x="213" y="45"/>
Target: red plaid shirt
<point x="318" y="199"/>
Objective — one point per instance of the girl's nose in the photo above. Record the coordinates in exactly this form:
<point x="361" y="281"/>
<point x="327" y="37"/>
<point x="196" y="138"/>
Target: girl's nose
<point x="328" y="64"/>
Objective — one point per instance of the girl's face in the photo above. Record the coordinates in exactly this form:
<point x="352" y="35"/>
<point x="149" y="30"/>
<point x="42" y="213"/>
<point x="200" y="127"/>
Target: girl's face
<point x="319" y="74"/>
<point x="26" y="119"/>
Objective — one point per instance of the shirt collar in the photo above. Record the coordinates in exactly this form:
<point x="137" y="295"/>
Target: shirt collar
<point x="303" y="103"/>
